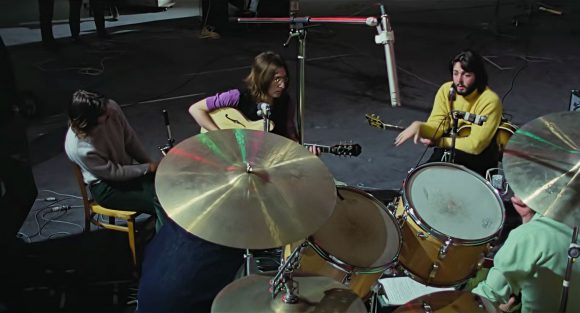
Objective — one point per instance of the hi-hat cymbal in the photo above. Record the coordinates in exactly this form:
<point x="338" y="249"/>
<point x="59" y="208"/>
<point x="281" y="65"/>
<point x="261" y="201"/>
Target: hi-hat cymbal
<point x="542" y="166"/>
<point x="316" y="294"/>
<point x="245" y="189"/>
<point x="450" y="301"/>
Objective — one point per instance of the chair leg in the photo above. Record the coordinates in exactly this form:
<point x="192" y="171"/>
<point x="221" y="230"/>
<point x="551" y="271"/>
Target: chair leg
<point x="132" y="246"/>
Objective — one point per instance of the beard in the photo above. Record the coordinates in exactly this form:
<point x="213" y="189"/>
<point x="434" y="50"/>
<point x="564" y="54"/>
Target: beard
<point x="466" y="92"/>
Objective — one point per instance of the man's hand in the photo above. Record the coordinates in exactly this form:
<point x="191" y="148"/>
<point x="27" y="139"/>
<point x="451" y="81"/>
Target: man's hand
<point x="523" y="210"/>
<point x="410" y="132"/>
<point x="314" y="150"/>
<point x="425" y="141"/>
<point x="153" y="167"/>
<point x="506" y="307"/>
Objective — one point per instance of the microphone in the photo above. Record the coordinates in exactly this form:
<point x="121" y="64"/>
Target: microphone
<point x="264" y="110"/>
<point x="451" y="94"/>
<point x="470" y="117"/>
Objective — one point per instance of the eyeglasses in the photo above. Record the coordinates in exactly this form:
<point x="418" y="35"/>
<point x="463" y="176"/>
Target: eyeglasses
<point x="280" y="80"/>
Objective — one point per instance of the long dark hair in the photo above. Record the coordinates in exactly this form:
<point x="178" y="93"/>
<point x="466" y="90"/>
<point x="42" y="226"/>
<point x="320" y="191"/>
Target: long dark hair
<point x="84" y="110"/>
<point x="471" y="62"/>
<point x="262" y="73"/>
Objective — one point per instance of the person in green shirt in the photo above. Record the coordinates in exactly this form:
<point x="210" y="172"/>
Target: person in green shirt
<point x="467" y="92"/>
<point x="531" y="264"/>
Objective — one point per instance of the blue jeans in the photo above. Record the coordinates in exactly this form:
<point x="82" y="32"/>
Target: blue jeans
<point x="183" y="273"/>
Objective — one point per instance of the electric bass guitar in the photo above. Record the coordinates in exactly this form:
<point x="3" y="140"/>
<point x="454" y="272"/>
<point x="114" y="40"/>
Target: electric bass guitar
<point x="504" y="131"/>
<point x="230" y="118"/>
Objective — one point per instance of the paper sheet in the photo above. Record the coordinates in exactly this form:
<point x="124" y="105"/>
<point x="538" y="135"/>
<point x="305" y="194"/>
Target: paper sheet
<point x="400" y="290"/>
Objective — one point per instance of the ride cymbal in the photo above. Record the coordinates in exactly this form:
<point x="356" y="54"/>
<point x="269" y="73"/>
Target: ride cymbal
<point x="542" y="166"/>
<point x="315" y="293"/>
<point x="245" y="189"/>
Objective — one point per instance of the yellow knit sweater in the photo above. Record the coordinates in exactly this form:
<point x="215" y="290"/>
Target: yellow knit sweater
<point x="486" y="103"/>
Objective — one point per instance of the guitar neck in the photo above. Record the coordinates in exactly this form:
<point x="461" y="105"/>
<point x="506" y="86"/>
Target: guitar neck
<point x="323" y="149"/>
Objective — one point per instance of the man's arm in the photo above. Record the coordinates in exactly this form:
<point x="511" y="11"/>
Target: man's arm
<point x="200" y="110"/>
<point x="133" y="145"/>
<point x="200" y="113"/>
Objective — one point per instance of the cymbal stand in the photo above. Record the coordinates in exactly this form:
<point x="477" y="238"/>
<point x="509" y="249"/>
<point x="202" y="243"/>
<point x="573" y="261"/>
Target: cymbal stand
<point x="573" y="254"/>
<point x="298" y="26"/>
<point x="249" y="257"/>
<point x="170" y="140"/>
<point x="377" y="291"/>
<point x="283" y="279"/>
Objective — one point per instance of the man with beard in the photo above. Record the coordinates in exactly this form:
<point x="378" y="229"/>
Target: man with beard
<point x="467" y="92"/>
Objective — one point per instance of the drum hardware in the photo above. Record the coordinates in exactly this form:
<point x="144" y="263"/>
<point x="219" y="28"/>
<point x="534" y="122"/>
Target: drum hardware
<point x="573" y="254"/>
<point x="377" y="291"/>
<point x="444" y="248"/>
<point x="427" y="308"/>
<point x="283" y="279"/>
<point x="433" y="272"/>
<point x="170" y="140"/>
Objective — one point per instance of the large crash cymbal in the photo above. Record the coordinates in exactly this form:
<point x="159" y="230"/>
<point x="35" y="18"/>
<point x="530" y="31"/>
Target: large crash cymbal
<point x="316" y="294"/>
<point x="245" y="189"/>
<point x="542" y="166"/>
<point x="450" y="301"/>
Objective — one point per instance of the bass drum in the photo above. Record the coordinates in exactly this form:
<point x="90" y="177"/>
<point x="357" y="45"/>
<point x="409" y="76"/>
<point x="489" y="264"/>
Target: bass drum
<point x="448" y="216"/>
<point x="357" y="244"/>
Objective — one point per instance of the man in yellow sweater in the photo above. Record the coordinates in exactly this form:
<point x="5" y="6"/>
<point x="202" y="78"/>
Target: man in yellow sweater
<point x="468" y="92"/>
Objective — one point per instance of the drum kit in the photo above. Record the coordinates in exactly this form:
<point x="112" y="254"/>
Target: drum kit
<point x="256" y="190"/>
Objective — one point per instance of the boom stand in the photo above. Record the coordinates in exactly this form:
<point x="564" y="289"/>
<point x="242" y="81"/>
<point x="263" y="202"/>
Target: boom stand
<point x="386" y="37"/>
<point x="573" y="254"/>
<point x="298" y="27"/>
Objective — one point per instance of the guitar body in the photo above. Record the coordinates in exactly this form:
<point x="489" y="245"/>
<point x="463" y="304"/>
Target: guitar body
<point x="230" y="118"/>
<point x="503" y="134"/>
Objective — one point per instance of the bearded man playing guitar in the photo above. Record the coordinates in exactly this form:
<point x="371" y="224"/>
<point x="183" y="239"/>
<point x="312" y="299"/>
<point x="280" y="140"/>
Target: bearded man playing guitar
<point x="468" y="92"/>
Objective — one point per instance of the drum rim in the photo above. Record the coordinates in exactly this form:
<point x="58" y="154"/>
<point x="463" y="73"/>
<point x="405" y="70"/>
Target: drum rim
<point x="348" y="268"/>
<point x="408" y="207"/>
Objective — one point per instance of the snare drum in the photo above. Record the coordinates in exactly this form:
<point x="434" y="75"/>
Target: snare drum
<point x="360" y="240"/>
<point x="448" y="216"/>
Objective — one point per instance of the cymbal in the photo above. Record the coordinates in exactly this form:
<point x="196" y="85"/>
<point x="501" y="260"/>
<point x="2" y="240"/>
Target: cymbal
<point x="542" y="166"/>
<point x="450" y="301"/>
<point x="316" y="294"/>
<point x="245" y="189"/>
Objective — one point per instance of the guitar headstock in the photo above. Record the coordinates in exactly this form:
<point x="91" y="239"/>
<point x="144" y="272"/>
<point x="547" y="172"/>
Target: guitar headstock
<point x="374" y="120"/>
<point x="346" y="149"/>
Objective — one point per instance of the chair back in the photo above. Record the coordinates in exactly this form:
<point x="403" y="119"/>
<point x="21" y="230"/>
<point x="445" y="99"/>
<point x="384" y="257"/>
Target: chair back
<point x="83" y="188"/>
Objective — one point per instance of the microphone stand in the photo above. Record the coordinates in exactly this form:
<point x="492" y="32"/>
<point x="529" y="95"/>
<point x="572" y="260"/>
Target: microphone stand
<point x="386" y="37"/>
<point x="170" y="140"/>
<point x="264" y="112"/>
<point x="298" y="26"/>
<point x="449" y="156"/>
<point x="573" y="254"/>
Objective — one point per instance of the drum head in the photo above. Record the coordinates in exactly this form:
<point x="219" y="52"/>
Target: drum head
<point x="361" y="232"/>
<point x="454" y="201"/>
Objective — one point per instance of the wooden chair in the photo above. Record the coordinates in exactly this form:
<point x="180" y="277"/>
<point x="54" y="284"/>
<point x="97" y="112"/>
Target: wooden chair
<point x="92" y="209"/>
